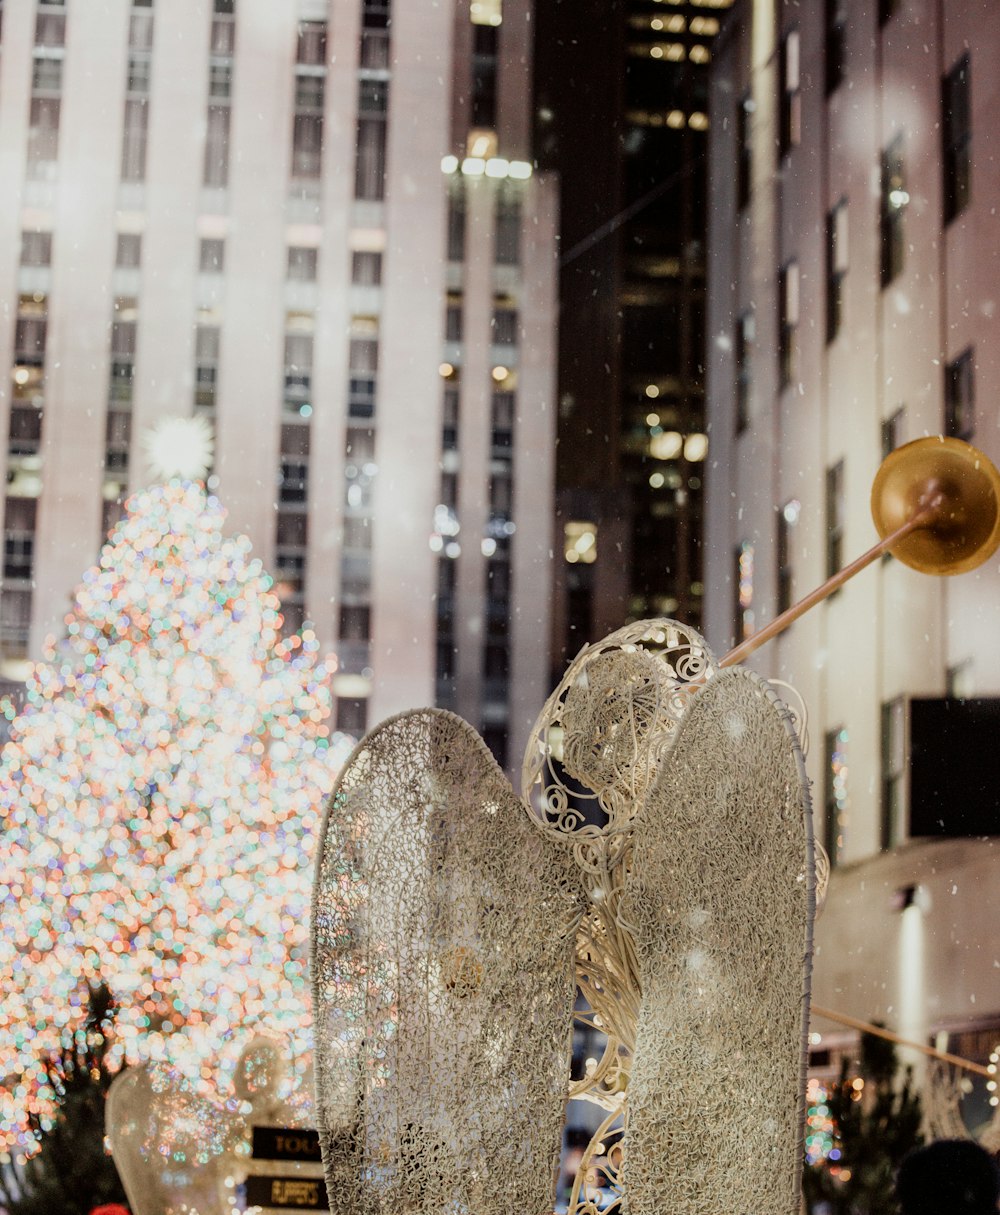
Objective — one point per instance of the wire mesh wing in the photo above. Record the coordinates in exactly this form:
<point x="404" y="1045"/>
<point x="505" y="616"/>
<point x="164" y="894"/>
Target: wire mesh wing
<point x="720" y="898"/>
<point x="443" y="938"/>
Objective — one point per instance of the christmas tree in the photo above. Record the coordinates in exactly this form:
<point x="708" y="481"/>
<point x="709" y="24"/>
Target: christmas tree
<point x="71" y="1173"/>
<point x="159" y="798"/>
<point x="868" y="1121"/>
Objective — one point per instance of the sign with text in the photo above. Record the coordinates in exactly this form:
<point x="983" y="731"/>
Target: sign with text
<point x="286" y="1193"/>
<point x="282" y="1143"/>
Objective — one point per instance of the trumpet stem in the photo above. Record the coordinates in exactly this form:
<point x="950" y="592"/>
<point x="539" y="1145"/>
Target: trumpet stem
<point x="923" y="518"/>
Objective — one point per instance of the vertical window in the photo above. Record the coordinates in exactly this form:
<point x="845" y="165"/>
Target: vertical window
<point x="744" y="150"/>
<point x="959" y="397"/>
<point x="128" y="250"/>
<point x="788" y="517"/>
<point x="369" y="173"/>
<point x="453" y="318"/>
<point x="894" y="199"/>
<point x="456" y="225"/>
<point x="836" y="268"/>
<point x="36" y="248"/>
<point x="508" y="230"/>
<point x="366" y="268"/>
<point x="206" y="366"/>
<point x="743" y="608"/>
<point x="363" y="360"/>
<point x="310" y="87"/>
<point x="956" y="140"/>
<point x="302" y="263"/>
<point x="504" y="323"/>
<point x="484" y="76"/>
<point x="211" y="255"/>
<point x="215" y="173"/>
<point x="836" y="39"/>
<point x="893" y="771"/>
<point x="123" y="333"/>
<point x="299" y="331"/>
<point x="46" y="93"/>
<point x="835" y="518"/>
<point x="892" y="431"/>
<point x="790" y="101"/>
<point x="375" y="34"/>
<point x="835" y="793"/>
<point x="788" y="322"/>
<point x="133" y="167"/>
<point x="746" y="330"/>
<point x="30" y="333"/>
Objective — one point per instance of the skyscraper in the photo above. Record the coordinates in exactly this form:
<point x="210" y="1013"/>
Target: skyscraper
<point x="316" y="226"/>
<point x="623" y="116"/>
<point x="852" y="308"/>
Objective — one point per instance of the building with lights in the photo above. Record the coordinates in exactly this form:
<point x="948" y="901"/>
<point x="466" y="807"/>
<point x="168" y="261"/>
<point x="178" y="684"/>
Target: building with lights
<point x="316" y="226"/>
<point x="855" y="188"/>
<point x="622" y="115"/>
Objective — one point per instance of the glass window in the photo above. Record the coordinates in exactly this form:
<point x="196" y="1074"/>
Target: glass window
<point x="211" y="255"/>
<point x="835" y="518"/>
<point x="43" y="137"/>
<point x="788" y="518"/>
<point x="134" y="138"/>
<point x="206" y="366"/>
<point x="836" y="268"/>
<point x="128" y="250"/>
<point x="744" y="150"/>
<point x="960" y="397"/>
<point x="893" y="771"/>
<point x="302" y="263"/>
<point x="311" y="46"/>
<point x="835" y="793"/>
<point x="788" y="322"/>
<point x="743" y="605"/>
<point x="894" y="200"/>
<point x="836" y="40"/>
<point x="508" y="231"/>
<point x="366" y="268"/>
<point x="369" y="173"/>
<point x="36" y="248"/>
<point x="746" y="331"/>
<point x="216" y="168"/>
<point x="956" y="140"/>
<point x="790" y="101"/>
<point x="892" y="431"/>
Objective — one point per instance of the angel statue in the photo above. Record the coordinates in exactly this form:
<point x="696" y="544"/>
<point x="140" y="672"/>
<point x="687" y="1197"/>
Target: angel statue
<point x="656" y="874"/>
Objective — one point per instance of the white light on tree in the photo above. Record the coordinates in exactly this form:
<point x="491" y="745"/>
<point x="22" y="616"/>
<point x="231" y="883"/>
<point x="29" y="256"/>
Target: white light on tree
<point x="180" y="447"/>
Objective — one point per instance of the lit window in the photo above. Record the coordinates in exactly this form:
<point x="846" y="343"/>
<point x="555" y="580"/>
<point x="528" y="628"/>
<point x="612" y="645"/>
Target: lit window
<point x="893" y="203"/>
<point x="486" y="12"/>
<point x="743" y="592"/>
<point x="580" y="542"/>
<point x="835" y="793"/>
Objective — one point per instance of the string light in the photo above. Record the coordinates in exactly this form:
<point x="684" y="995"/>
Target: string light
<point x="159" y="800"/>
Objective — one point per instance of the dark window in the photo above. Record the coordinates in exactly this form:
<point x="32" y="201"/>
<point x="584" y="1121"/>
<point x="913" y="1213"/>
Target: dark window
<point x="836" y="39"/>
<point x="836" y="268"/>
<point x="216" y="167"/>
<point x="449" y="422"/>
<point x="355" y="623"/>
<point x="746" y="329"/>
<point x="956" y="140"/>
<point x="960" y="397"/>
<point x="508" y="233"/>
<point x="128" y="250"/>
<point x="211" y="255"/>
<point x="894" y="199"/>
<point x="134" y="136"/>
<point x="206" y="365"/>
<point x="453" y="319"/>
<point x="366" y="268"/>
<point x="302" y="263"/>
<point x="504" y="325"/>
<point x="456" y="227"/>
<point x="744" y="148"/>
<point x="788" y="517"/>
<point x="311" y="48"/>
<point x="369" y="173"/>
<point x="835" y="518"/>
<point x="352" y="715"/>
<point x="790" y="101"/>
<point x="484" y="75"/>
<point x="36" y="248"/>
<point x="886" y="10"/>
<point x="788" y="322"/>
<point x="892" y="432"/>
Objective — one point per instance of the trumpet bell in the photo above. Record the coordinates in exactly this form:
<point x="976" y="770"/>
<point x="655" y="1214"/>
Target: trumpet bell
<point x="961" y="485"/>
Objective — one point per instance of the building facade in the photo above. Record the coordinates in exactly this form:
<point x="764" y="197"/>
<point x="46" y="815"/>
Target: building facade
<point x="853" y="285"/>
<point x="316" y="226"/>
<point x="623" y="118"/>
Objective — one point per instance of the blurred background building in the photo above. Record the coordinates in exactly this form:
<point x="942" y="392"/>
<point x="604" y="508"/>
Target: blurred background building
<point x="317" y="227"/>
<point x="622" y="92"/>
<point x="853" y="306"/>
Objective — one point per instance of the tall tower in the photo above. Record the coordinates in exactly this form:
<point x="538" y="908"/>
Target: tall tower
<point x="623" y="116"/>
<point x="317" y="226"/>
